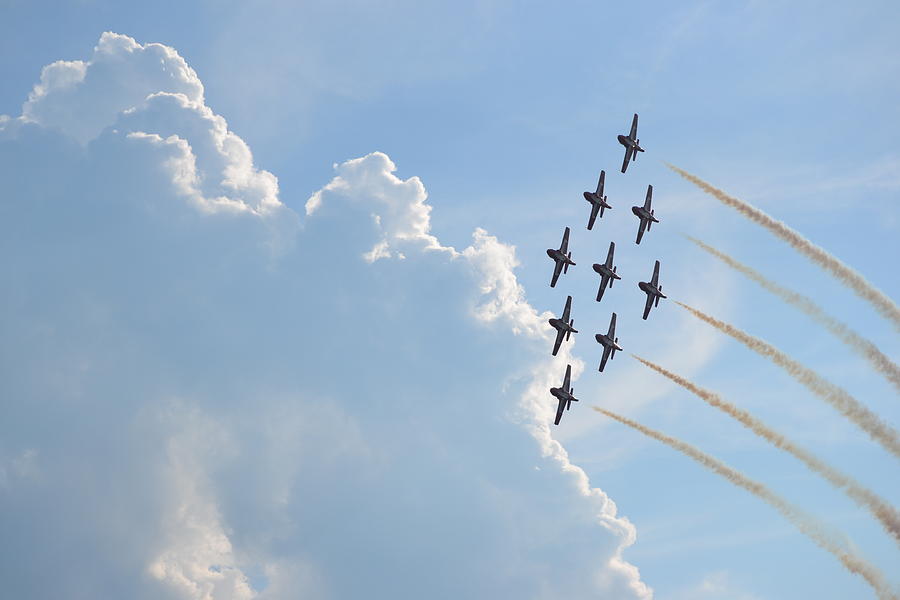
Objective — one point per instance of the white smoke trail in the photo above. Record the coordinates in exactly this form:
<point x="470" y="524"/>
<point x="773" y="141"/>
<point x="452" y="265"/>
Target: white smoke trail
<point x="807" y="524"/>
<point x="880" y="509"/>
<point x="879" y="361"/>
<point x="837" y="397"/>
<point x="846" y="275"/>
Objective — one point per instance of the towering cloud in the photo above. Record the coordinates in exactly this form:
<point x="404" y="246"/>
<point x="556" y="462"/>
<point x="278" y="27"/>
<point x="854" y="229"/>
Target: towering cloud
<point x="205" y="400"/>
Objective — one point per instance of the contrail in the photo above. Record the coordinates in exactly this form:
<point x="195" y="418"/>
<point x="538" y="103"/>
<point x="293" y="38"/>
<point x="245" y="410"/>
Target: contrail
<point x="807" y="524"/>
<point x="839" y="398"/>
<point x="879" y="361"/>
<point x="838" y="269"/>
<point x="884" y="512"/>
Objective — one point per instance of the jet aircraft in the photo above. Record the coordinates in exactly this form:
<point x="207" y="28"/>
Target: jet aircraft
<point x="607" y="271"/>
<point x="564" y="394"/>
<point x="609" y="341"/>
<point x="645" y="214"/>
<point x="653" y="290"/>
<point x="562" y="257"/>
<point x="597" y="200"/>
<point x="631" y="143"/>
<point x="563" y="326"/>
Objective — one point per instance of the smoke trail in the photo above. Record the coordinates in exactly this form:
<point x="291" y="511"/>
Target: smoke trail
<point x="807" y="524"/>
<point x="838" y="269"/>
<point x="856" y="342"/>
<point x="884" y="512"/>
<point x="837" y="397"/>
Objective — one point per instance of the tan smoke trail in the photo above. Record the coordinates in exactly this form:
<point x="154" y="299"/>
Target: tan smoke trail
<point x="856" y="342"/>
<point x="884" y="512"/>
<point x="837" y="397"/>
<point x="807" y="524"/>
<point x="838" y="269"/>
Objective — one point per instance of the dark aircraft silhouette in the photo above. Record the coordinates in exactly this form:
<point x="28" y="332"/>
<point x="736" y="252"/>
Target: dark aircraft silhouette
<point x="564" y="394"/>
<point x="607" y="271"/>
<point x="645" y="214"/>
<point x="597" y="200"/>
<point x="563" y="326"/>
<point x="562" y="258"/>
<point x="631" y="143"/>
<point x="609" y="341"/>
<point x="653" y="290"/>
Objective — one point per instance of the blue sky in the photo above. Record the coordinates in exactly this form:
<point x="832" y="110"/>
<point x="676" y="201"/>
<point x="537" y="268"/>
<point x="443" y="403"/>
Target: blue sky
<point x="226" y="338"/>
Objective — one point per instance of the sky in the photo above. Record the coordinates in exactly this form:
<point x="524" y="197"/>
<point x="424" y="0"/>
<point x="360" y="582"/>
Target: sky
<point x="276" y="291"/>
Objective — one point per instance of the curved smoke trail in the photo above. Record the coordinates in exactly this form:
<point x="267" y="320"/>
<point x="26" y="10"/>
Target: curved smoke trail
<point x="807" y="524"/>
<point x="846" y="275"/>
<point x="879" y="361"/>
<point x="880" y="509"/>
<point x="837" y="397"/>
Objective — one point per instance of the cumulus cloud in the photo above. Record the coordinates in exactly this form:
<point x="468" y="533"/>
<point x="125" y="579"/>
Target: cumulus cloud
<point x="209" y="419"/>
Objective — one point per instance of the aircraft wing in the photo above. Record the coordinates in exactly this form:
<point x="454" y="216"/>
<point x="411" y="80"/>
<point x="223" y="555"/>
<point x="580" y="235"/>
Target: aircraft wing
<point x="627" y="158"/>
<point x="564" y="247"/>
<point x="609" y="255"/>
<point x="604" y="279"/>
<point x="567" y="309"/>
<point x="606" y="351"/>
<point x="557" y="269"/>
<point x="633" y="133"/>
<point x="559" y="411"/>
<point x="649" y="197"/>
<point x="600" y="183"/>
<point x="567" y="379"/>
<point x="648" y="305"/>
<point x="595" y="208"/>
<point x="611" y="334"/>
<point x="655" y="280"/>
<point x="641" y="229"/>
<point x="560" y="334"/>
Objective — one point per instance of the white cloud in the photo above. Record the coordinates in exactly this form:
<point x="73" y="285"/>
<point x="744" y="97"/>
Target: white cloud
<point x="81" y="98"/>
<point x="401" y="215"/>
<point x="341" y="425"/>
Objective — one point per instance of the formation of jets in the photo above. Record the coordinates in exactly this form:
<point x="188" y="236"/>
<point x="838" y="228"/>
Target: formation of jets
<point x="562" y="260"/>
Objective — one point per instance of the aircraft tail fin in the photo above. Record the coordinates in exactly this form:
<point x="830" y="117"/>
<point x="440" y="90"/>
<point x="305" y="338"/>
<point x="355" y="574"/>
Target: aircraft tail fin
<point x="566" y="266"/>
<point x="634" y="152"/>
<point x="612" y="279"/>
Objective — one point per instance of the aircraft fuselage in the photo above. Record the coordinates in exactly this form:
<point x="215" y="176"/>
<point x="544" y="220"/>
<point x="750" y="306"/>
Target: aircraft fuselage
<point x="604" y="270"/>
<point x="603" y="339"/>
<point x="561" y="325"/>
<point x="597" y="199"/>
<point x="559" y="256"/>
<point x="561" y="394"/>
<point x="649" y="289"/>
<point x="628" y="142"/>
<point x="641" y="213"/>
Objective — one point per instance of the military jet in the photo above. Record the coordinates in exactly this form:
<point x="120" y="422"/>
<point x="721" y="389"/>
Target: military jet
<point x="564" y="394"/>
<point x="653" y="290"/>
<point x="597" y="200"/>
<point x="609" y="341"/>
<point x="563" y="326"/>
<point x="645" y="214"/>
<point x="607" y="271"/>
<point x="562" y="258"/>
<point x="631" y="143"/>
